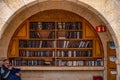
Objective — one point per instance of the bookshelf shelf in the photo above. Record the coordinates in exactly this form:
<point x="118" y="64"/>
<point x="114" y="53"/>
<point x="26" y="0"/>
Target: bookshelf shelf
<point x="61" y="45"/>
<point x="59" y="30"/>
<point x="36" y="48"/>
<point x="34" y="58"/>
<point x="45" y="30"/>
<point x="42" y="39"/>
<point x="74" y="48"/>
<point x="111" y="66"/>
<point x="25" y="68"/>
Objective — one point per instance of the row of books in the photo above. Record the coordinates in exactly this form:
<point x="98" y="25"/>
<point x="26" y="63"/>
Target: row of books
<point x="52" y="25"/>
<point x="97" y="62"/>
<point x="28" y="53"/>
<point x="67" y="35"/>
<point x="52" y="44"/>
<point x="74" y="44"/>
<point x="74" y="53"/>
<point x="58" y="62"/>
<point x="36" y="43"/>
<point x="42" y="25"/>
<point x="22" y="62"/>
<point x="69" y="25"/>
<point x="36" y="34"/>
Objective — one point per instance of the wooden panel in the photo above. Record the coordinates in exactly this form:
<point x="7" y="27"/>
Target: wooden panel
<point x="97" y="49"/>
<point x="110" y="75"/>
<point x="22" y="31"/>
<point x="111" y="54"/>
<point x="13" y="52"/>
<point x="55" y="15"/>
<point x="112" y="65"/>
<point x="89" y="32"/>
<point x="59" y="68"/>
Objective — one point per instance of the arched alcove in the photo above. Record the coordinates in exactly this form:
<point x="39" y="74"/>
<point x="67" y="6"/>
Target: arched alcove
<point x="84" y="10"/>
<point x="67" y="50"/>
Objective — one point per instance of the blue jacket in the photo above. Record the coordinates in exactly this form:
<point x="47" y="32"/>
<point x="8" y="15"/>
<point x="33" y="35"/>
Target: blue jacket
<point x="9" y="74"/>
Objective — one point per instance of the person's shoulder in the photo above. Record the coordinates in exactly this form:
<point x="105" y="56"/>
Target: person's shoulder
<point x="0" y="66"/>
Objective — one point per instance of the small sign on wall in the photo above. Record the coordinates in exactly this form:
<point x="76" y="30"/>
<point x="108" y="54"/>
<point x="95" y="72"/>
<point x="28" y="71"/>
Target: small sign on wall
<point x="100" y="28"/>
<point x="97" y="78"/>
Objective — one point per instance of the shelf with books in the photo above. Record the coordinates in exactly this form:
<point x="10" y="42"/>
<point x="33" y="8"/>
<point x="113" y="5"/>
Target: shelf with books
<point x="55" y="62"/>
<point x="29" y="53"/>
<point x="32" y="62"/>
<point x="74" y="49"/>
<point x="69" y="25"/>
<point x="68" y="34"/>
<point x="36" y="43"/>
<point x="42" y="34"/>
<point x="57" y="44"/>
<point x="78" y="53"/>
<point x="42" y="25"/>
<point x="74" y="43"/>
<point x="111" y="65"/>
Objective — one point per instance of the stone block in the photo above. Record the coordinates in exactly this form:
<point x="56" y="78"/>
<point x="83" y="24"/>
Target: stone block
<point x="14" y="4"/>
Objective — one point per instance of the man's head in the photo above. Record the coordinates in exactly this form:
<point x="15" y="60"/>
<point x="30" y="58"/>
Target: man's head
<point x="6" y="63"/>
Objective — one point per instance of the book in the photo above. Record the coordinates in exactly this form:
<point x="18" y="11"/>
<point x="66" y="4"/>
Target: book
<point x="112" y="58"/>
<point x="59" y="25"/>
<point x="113" y="72"/>
<point x="112" y="45"/>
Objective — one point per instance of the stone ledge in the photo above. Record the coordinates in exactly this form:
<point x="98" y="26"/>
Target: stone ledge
<point x="117" y="61"/>
<point x="60" y="68"/>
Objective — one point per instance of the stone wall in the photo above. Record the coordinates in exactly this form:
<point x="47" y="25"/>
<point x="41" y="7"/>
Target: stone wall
<point x="60" y="75"/>
<point x="95" y="11"/>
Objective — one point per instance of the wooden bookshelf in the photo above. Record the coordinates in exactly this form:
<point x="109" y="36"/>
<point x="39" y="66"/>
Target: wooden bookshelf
<point x="56" y="42"/>
<point x="60" y="68"/>
<point x="111" y="67"/>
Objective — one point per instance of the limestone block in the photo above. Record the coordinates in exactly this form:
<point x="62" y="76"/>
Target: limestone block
<point x="72" y="0"/>
<point x="2" y="4"/>
<point x="87" y="14"/>
<point x="1" y="27"/>
<point x="97" y="4"/>
<point x="2" y="22"/>
<point x="42" y="0"/>
<point x="5" y="13"/>
<point x="118" y="38"/>
<point x="28" y="1"/>
<point x="115" y="26"/>
<point x="117" y="2"/>
<point x="59" y="75"/>
<point x="111" y="11"/>
<point x="31" y="10"/>
<point x="14" y="4"/>
<point x="118" y="53"/>
<point x="3" y="53"/>
<point x="118" y="61"/>
<point x="94" y="21"/>
<point x="55" y="0"/>
<point x="52" y="5"/>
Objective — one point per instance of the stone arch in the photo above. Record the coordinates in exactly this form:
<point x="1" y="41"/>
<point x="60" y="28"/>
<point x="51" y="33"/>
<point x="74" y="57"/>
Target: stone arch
<point x="90" y="13"/>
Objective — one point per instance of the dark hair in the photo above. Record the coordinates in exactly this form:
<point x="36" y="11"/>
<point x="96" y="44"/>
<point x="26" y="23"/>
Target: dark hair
<point x="5" y="60"/>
